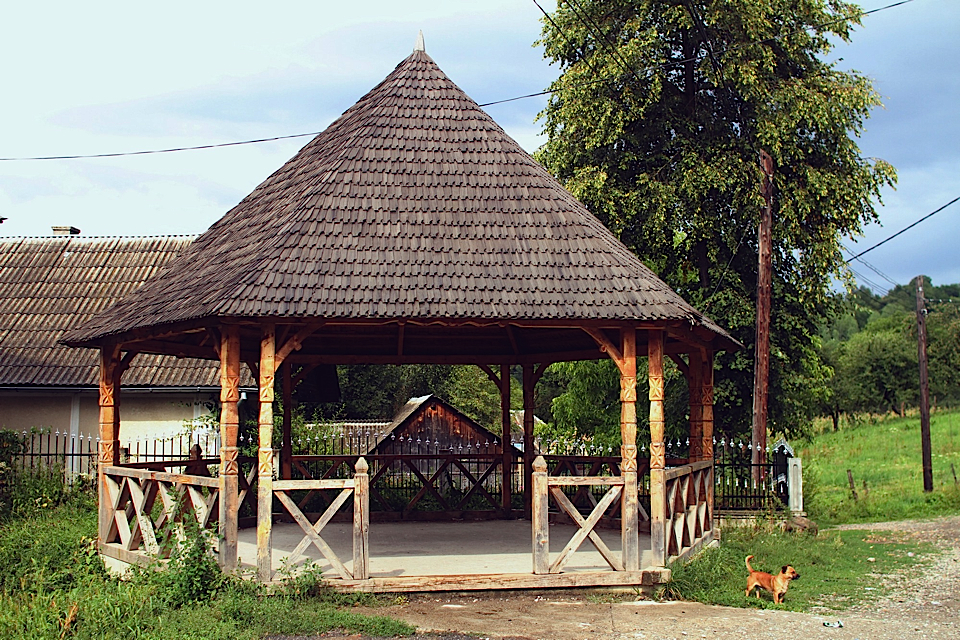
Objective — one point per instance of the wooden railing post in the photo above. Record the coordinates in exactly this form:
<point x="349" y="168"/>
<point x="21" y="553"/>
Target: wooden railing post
<point x="658" y="487"/>
<point x="229" y="462"/>
<point x="265" y="455"/>
<point x="540" y="518"/>
<point x="361" y="521"/>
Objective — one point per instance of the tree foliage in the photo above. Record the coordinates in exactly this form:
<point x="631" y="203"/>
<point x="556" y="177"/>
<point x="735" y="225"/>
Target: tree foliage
<point x="656" y="124"/>
<point x="871" y="348"/>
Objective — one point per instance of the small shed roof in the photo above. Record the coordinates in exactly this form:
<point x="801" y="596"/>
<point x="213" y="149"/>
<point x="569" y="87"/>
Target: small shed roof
<point x="413" y="205"/>
<point x="49" y="285"/>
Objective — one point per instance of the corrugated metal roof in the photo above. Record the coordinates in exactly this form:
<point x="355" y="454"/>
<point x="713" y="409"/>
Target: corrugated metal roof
<point x="50" y="285"/>
<point x="413" y="204"/>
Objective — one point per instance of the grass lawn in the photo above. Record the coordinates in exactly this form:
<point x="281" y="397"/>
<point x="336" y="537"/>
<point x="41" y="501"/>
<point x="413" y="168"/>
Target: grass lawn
<point x="52" y="585"/>
<point x="884" y="454"/>
<point x="835" y="567"/>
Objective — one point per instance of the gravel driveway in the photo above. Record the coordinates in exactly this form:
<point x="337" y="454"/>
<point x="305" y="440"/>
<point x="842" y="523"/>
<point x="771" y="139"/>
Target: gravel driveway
<point x="924" y="603"/>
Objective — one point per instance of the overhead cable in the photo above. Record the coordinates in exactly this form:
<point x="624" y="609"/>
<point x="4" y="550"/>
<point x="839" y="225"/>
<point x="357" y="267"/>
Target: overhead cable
<point x="664" y="66"/>
<point x="907" y="228"/>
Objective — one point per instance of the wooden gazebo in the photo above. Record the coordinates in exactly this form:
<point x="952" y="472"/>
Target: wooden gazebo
<point x="412" y="230"/>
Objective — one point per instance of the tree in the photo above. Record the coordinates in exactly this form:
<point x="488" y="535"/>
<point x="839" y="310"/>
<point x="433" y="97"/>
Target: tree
<point x="656" y="124"/>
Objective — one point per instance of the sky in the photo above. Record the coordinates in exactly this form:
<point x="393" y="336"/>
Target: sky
<point x="104" y="77"/>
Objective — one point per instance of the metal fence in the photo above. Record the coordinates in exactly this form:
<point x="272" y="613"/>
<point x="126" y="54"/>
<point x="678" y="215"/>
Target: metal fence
<point x="739" y="484"/>
<point x="46" y="451"/>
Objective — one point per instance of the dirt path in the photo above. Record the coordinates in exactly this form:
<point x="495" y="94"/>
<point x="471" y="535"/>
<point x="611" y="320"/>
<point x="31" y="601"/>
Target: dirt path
<point x="925" y="603"/>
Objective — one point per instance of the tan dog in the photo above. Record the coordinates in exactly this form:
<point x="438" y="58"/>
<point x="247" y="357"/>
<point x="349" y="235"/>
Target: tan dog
<point x="775" y="584"/>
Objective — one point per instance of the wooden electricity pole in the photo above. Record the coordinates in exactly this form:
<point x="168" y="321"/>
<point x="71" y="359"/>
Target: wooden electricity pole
<point x="924" y="389"/>
<point x="761" y="368"/>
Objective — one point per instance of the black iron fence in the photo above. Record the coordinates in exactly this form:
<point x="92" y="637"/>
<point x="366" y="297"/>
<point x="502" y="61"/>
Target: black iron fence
<point x="740" y="485"/>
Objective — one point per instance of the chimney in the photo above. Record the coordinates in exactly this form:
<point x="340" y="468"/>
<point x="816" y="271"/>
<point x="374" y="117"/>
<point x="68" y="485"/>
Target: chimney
<point x="65" y="231"/>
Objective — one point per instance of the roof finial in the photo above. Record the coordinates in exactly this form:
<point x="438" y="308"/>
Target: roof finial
<point x="419" y="46"/>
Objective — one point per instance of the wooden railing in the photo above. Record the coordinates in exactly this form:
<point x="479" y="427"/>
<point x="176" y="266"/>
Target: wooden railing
<point x="137" y="528"/>
<point x="689" y="520"/>
<point x="545" y="487"/>
<point x="357" y="487"/>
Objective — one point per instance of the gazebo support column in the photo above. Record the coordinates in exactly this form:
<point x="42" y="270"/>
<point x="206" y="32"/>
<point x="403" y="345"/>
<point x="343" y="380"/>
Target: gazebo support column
<point x="694" y="384"/>
<point x="658" y="497"/>
<point x="706" y="431"/>
<point x="109" y="447"/>
<point x="286" y="450"/>
<point x="506" y="487"/>
<point x="629" y="504"/>
<point x="229" y="462"/>
<point x="265" y="455"/>
<point x="530" y="377"/>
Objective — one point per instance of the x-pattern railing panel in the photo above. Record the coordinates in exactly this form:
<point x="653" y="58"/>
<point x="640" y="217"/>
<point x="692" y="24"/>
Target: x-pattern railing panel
<point x="688" y="509"/>
<point x="312" y="530"/>
<point x="133" y="494"/>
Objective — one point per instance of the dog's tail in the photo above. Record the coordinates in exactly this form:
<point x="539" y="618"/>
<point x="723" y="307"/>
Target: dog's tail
<point x="747" y="561"/>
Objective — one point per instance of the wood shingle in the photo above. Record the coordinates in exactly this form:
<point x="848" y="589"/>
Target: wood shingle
<point x="414" y="204"/>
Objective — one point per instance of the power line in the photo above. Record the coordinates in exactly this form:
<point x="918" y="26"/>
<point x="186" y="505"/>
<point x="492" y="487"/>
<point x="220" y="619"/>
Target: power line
<point x="170" y="150"/>
<point x="663" y="66"/>
<point x="872" y="268"/>
<point x="907" y="228"/>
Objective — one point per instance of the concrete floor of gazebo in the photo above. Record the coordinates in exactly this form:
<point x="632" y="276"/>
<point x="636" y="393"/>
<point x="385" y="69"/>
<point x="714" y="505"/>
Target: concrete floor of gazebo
<point x="410" y="549"/>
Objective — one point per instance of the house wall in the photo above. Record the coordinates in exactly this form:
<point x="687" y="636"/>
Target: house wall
<point x="142" y="415"/>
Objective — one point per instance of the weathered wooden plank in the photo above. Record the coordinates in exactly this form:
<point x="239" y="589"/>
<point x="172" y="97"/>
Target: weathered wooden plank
<point x="695" y="548"/>
<point x="569" y="481"/>
<point x="112" y="550"/>
<point x="361" y="522"/>
<point x="474" y="582"/>
<point x="163" y="476"/>
<point x="687" y="469"/>
<point x="315" y="484"/>
<point x="141" y="506"/>
<point x="539" y="518"/>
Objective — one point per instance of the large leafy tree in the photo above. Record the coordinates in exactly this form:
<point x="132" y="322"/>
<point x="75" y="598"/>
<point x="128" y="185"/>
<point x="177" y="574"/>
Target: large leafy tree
<point x="657" y="122"/>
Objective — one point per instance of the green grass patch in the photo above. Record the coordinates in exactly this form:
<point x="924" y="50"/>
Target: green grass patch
<point x="835" y="567"/>
<point x="52" y="585"/>
<point x="885" y="454"/>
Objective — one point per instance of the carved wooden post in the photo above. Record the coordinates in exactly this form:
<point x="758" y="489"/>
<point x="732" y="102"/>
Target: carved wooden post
<point x="109" y="449"/>
<point x="540" y="518"/>
<point x="694" y="385"/>
<point x="529" y="384"/>
<point x="229" y="462"/>
<point x="268" y="347"/>
<point x="658" y="497"/>
<point x="361" y="521"/>
<point x="506" y="487"/>
<point x="629" y="505"/>
<point x="706" y="399"/>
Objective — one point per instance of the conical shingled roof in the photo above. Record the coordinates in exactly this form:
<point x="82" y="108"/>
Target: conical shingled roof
<point x="413" y="204"/>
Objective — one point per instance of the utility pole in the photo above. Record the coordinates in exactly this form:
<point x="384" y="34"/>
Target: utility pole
<point x="761" y="367"/>
<point x="924" y="389"/>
